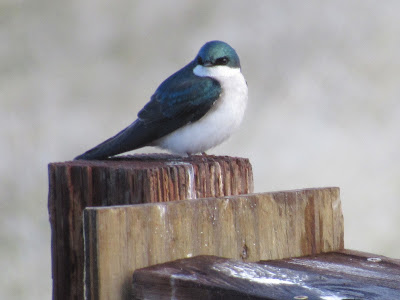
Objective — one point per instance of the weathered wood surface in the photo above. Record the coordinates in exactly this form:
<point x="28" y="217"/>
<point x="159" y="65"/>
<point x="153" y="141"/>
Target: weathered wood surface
<point x="75" y="185"/>
<point x="119" y="240"/>
<point x="335" y="275"/>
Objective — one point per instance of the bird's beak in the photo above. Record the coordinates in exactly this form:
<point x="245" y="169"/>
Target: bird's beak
<point x="207" y="64"/>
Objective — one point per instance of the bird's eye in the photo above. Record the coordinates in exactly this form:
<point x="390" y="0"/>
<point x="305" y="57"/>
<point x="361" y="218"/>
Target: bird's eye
<point x="199" y="61"/>
<point x="221" y="61"/>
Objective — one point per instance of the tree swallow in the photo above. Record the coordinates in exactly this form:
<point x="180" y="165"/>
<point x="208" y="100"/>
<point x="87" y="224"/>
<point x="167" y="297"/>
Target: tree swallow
<point x="193" y="110"/>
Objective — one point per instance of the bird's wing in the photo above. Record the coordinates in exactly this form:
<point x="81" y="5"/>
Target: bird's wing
<point x="181" y="99"/>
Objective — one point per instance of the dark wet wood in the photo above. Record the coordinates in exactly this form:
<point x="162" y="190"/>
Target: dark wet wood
<point x="119" y="240"/>
<point x="336" y="275"/>
<point x="75" y="185"/>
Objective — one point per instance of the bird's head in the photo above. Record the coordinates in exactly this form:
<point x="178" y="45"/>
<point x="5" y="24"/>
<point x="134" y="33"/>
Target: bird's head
<point x="216" y="55"/>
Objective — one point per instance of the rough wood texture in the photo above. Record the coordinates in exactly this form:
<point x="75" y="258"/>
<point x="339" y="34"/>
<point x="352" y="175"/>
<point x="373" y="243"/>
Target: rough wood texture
<point x="335" y="275"/>
<point x="75" y="185"/>
<point x="119" y="240"/>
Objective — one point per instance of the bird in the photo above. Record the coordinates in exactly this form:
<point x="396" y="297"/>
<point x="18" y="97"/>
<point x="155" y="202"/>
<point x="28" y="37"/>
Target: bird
<point x="192" y="111"/>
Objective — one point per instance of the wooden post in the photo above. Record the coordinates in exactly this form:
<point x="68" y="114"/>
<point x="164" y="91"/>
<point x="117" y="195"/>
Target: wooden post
<point x="137" y="179"/>
<point x="119" y="240"/>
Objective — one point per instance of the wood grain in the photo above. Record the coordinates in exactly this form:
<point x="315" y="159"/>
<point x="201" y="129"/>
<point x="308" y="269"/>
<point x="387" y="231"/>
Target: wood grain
<point x="119" y="240"/>
<point x="75" y="185"/>
<point x="335" y="275"/>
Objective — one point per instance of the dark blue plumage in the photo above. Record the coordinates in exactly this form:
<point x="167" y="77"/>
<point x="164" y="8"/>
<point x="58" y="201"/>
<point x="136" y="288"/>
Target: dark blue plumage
<point x="182" y="98"/>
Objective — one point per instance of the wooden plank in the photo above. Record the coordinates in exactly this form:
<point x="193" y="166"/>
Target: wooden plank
<point x="75" y="185"/>
<point x="335" y="275"/>
<point x="119" y="240"/>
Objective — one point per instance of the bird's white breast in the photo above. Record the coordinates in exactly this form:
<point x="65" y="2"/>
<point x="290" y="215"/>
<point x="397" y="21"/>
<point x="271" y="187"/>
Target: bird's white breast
<point x="218" y="123"/>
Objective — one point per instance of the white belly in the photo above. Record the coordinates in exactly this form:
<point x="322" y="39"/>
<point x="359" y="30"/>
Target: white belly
<point x="220" y="122"/>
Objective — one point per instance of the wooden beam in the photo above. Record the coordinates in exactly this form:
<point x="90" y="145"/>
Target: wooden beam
<point x="334" y="275"/>
<point x="119" y="240"/>
<point x="75" y="185"/>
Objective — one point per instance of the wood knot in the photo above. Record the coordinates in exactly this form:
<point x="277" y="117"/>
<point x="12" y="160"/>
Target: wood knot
<point x="245" y="252"/>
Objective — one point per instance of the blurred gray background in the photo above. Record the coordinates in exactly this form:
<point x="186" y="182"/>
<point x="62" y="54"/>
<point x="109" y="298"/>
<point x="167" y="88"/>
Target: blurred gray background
<point x="324" y="105"/>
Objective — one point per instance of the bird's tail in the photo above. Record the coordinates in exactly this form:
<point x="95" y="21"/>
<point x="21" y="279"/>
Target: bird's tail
<point x="126" y="140"/>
